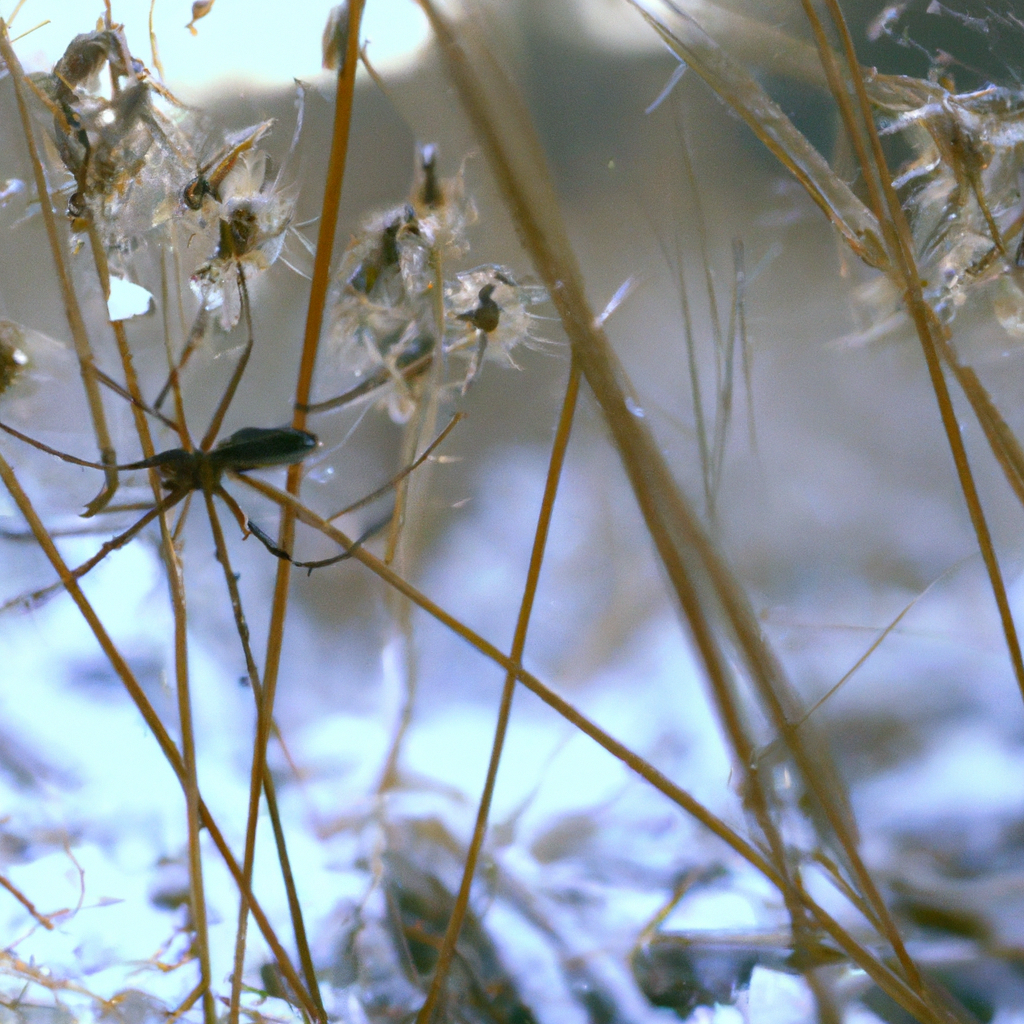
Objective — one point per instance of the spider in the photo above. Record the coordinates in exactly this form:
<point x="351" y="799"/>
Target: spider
<point x="186" y="470"/>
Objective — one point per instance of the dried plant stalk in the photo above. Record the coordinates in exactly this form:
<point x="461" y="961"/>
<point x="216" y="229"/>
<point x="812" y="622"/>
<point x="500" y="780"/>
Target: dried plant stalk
<point x="76" y="323"/>
<point x="152" y="720"/>
<point x="311" y="342"/>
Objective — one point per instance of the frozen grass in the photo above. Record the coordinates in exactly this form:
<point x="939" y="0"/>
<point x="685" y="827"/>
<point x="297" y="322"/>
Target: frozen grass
<point x="349" y="834"/>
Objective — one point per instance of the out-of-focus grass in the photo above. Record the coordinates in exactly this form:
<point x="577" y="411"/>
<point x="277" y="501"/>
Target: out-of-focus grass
<point x="833" y="514"/>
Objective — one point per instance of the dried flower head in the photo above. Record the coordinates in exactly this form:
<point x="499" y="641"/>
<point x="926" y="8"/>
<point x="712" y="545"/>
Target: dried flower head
<point x="962" y="190"/>
<point x="391" y="304"/>
<point x="489" y="302"/>
<point x="13" y="359"/>
<point x="443" y="210"/>
<point x="121" y="150"/>
<point x="246" y="229"/>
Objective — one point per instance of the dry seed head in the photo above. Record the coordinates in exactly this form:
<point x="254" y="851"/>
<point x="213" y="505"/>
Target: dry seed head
<point x="121" y="151"/>
<point x="83" y="60"/>
<point x="246" y="229"/>
<point x="489" y="300"/>
<point x="962" y="191"/>
<point x="384" y="315"/>
<point x="13" y="360"/>
<point x="443" y="210"/>
<point x="372" y="265"/>
<point x="212" y="176"/>
<point x="335" y="40"/>
<point x="200" y="9"/>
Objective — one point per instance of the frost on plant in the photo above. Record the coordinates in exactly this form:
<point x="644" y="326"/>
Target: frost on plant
<point x="131" y="149"/>
<point x="319" y="878"/>
<point x="120" y="149"/>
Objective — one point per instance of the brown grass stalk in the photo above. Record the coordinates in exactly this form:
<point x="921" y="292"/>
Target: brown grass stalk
<point x="72" y="309"/>
<point x="141" y="701"/>
<point x="897" y="230"/>
<point x="686" y="552"/>
<point x="311" y="341"/>
<point x="176" y="585"/>
<point x="26" y="903"/>
<point x="540" y="537"/>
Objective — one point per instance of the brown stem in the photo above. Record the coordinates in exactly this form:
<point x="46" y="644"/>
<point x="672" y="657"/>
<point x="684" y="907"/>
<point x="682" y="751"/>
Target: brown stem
<point x="502" y="128"/>
<point x="176" y="583"/>
<point x="311" y="342"/>
<point x="269" y="788"/>
<point x="540" y="537"/>
<point x="79" y="334"/>
<point x="900" y="244"/>
<point x="26" y="903"/>
<point x="152" y="720"/>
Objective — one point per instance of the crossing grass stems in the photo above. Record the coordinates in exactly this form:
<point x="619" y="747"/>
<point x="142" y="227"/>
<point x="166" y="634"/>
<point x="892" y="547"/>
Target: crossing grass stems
<point x="737" y="660"/>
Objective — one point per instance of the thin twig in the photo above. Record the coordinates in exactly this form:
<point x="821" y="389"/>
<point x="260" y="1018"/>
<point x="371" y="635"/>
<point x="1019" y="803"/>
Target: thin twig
<point x="503" y="130"/>
<point x="269" y="787"/>
<point x="540" y="537"/>
<point x="79" y="334"/>
<point x="311" y="342"/>
<point x="152" y="720"/>
<point x="26" y="903"/>
<point x="176" y="583"/>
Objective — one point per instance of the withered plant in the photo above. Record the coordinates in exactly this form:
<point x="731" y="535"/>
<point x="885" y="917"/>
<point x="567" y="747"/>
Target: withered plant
<point x="136" y="193"/>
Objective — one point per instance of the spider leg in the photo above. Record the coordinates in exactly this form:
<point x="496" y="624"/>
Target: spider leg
<point x="232" y="582"/>
<point x="377" y="380"/>
<point x="50" y="451"/>
<point x="37" y="596"/>
<point x="119" y="389"/>
<point x="180" y="524"/>
<point x="128" y="506"/>
<point x="173" y="381"/>
<point x="195" y="337"/>
<point x="402" y="474"/>
<point x="269" y="544"/>
<point x="74" y="460"/>
<point x="279" y="552"/>
<point x="236" y="511"/>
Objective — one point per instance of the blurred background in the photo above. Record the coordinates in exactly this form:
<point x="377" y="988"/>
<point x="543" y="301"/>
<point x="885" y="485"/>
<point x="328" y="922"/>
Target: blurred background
<point x="837" y="506"/>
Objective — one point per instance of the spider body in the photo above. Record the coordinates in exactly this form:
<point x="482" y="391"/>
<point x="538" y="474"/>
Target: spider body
<point x="248" y="448"/>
